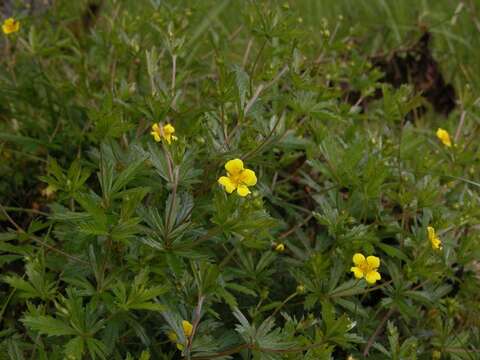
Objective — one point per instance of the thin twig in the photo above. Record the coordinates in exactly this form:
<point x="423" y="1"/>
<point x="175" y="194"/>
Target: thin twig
<point x="253" y="99"/>
<point x="40" y="241"/>
<point x="294" y="228"/>
<point x="30" y="211"/>
<point x="174" y="73"/>
<point x="247" y="52"/>
<point x="196" y="321"/>
<point x="254" y="65"/>
<point x="284" y="302"/>
<point x="460" y="126"/>
<point x="260" y="89"/>
<point x="266" y="141"/>
<point x="263" y="87"/>
<point x="377" y="331"/>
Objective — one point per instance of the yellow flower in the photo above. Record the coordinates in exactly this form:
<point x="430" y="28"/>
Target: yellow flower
<point x="237" y="178"/>
<point x="280" y="248"/>
<point x="434" y="239"/>
<point x="187" y="328"/>
<point x="10" y="25"/>
<point x="163" y="132"/>
<point x="366" y="268"/>
<point x="444" y="137"/>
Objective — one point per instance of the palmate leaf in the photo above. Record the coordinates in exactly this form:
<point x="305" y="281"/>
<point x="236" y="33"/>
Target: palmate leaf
<point x="48" y="325"/>
<point x="96" y="348"/>
<point x="152" y="217"/>
<point x="27" y="290"/>
<point x="170" y="227"/>
<point x="91" y="203"/>
<point x="128" y="174"/>
<point x="187" y="173"/>
<point x="267" y="342"/>
<point x="246" y="330"/>
<point x="139" y="297"/>
<point x="37" y="287"/>
<point x="125" y="230"/>
<point x="38" y="284"/>
<point x="112" y="181"/>
<point x="10" y="249"/>
<point x="131" y="200"/>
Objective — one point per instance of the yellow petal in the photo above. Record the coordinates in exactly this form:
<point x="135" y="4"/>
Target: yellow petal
<point x="248" y="177"/>
<point x="372" y="277"/>
<point x="155" y="135"/>
<point x="234" y="166"/>
<point x="436" y="243"/>
<point x="358" y="259"/>
<point x="187" y="328"/>
<point x="280" y="248"/>
<point x="168" y="129"/>
<point x="227" y="183"/>
<point x="357" y="272"/>
<point x="242" y="190"/>
<point x="155" y="127"/>
<point x="431" y="233"/>
<point x="373" y="261"/>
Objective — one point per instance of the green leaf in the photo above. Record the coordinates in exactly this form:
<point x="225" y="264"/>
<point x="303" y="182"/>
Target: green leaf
<point x="74" y="348"/>
<point x="240" y="288"/>
<point x="48" y="325"/>
<point x="127" y="175"/>
<point x="243" y="84"/>
<point x="96" y="348"/>
<point x="27" y="290"/>
<point x="393" y="252"/>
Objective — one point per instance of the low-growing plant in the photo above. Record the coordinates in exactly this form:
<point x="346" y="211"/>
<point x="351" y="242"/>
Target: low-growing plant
<point x="193" y="180"/>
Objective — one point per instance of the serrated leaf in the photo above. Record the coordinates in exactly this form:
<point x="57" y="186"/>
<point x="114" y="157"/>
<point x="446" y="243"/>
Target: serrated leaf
<point x="48" y="325"/>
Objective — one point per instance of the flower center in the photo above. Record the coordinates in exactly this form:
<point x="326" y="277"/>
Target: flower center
<point x="366" y="268"/>
<point x="236" y="178"/>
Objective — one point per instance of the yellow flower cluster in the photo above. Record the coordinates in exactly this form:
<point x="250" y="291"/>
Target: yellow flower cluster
<point x="10" y="26"/>
<point x="240" y="178"/>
